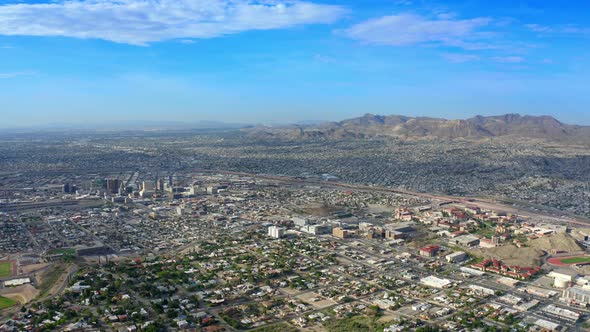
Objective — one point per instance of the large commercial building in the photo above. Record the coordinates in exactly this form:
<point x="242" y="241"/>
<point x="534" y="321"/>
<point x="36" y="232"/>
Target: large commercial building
<point x="435" y="282"/>
<point x="317" y="229"/>
<point x="17" y="282"/>
<point x="563" y="278"/>
<point x="341" y="233"/>
<point x="300" y="221"/>
<point x="465" y="240"/>
<point x="577" y="295"/>
<point x="276" y="232"/>
<point x="429" y="251"/>
<point x="456" y="257"/>
<point x="113" y="185"/>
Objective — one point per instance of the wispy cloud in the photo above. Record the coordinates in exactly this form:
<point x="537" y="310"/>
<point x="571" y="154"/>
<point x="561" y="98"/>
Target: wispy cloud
<point x="141" y="22"/>
<point x="576" y="30"/>
<point x="538" y="28"/>
<point x="323" y="58"/>
<point x="508" y="59"/>
<point x="410" y="29"/>
<point x="460" y="58"/>
<point x="562" y="29"/>
<point x="16" y="74"/>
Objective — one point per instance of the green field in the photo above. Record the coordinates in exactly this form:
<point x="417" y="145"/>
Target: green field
<point x="6" y="303"/>
<point x="63" y="251"/>
<point x="576" y="260"/>
<point x="5" y="269"/>
<point x="280" y="327"/>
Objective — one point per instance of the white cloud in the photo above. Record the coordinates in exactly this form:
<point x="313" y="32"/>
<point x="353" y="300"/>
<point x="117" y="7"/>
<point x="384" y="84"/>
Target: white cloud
<point x="576" y="30"/>
<point x="410" y="29"/>
<point x="16" y="74"/>
<point x="141" y="22"/>
<point x="538" y="28"/>
<point x="460" y="58"/>
<point x="323" y="58"/>
<point x="508" y="59"/>
<point x="563" y="29"/>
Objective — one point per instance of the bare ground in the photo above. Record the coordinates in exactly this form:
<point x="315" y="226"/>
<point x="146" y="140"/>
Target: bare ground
<point x="23" y="294"/>
<point x="533" y="253"/>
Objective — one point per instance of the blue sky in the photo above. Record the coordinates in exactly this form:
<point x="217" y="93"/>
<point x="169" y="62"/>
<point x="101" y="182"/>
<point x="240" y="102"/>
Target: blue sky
<point x="278" y="61"/>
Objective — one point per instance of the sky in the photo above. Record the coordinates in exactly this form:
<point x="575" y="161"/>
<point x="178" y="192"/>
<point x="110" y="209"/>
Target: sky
<point x="283" y="61"/>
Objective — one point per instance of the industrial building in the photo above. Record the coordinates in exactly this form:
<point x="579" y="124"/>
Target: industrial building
<point x="577" y="295"/>
<point x="435" y="282"/>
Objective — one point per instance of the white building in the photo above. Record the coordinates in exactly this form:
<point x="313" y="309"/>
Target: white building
<point x="276" y="232"/>
<point x="17" y="282"/>
<point x="181" y="211"/>
<point x="561" y="313"/>
<point x="577" y="295"/>
<point x="547" y="325"/>
<point x="456" y="257"/>
<point x="481" y="290"/>
<point x="300" y="221"/>
<point x="471" y="271"/>
<point x="432" y="281"/>
<point x="563" y="277"/>
<point x="317" y="229"/>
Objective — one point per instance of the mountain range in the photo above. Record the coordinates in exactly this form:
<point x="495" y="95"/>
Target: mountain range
<point x="479" y="127"/>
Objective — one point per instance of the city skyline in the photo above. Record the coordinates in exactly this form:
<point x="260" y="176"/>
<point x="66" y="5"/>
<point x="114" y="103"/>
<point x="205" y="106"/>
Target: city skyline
<point x="290" y="61"/>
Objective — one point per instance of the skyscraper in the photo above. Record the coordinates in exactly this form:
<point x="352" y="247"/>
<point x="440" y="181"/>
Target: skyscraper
<point x="113" y="185"/>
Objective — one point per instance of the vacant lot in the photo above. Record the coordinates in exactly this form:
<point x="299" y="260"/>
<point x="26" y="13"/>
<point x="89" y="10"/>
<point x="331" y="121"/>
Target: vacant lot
<point x="315" y="300"/>
<point x="6" y="303"/>
<point x="23" y="294"/>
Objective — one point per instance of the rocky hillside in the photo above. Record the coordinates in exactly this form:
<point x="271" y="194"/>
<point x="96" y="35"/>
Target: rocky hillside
<point x="370" y="125"/>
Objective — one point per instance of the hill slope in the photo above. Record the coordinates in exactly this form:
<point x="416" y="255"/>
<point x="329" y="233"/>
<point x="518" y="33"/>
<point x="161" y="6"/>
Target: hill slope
<point x="370" y="125"/>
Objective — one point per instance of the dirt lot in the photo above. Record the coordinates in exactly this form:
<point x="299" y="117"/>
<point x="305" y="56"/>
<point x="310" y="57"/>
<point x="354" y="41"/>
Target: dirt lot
<point x="23" y="294"/>
<point x="533" y="253"/>
<point x="562" y="242"/>
<point x="320" y="302"/>
<point x="28" y="269"/>
<point x="320" y="210"/>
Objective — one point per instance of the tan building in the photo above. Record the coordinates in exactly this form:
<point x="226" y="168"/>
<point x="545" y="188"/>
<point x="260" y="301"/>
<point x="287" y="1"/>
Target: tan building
<point x="341" y="233"/>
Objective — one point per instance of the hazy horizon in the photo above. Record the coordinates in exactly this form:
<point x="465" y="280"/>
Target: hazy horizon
<point x="215" y="124"/>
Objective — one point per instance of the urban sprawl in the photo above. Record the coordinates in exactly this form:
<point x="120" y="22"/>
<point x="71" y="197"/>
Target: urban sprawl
<point x="219" y="251"/>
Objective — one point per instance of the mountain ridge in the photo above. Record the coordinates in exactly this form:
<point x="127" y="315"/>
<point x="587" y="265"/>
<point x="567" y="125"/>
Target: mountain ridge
<point x="477" y="127"/>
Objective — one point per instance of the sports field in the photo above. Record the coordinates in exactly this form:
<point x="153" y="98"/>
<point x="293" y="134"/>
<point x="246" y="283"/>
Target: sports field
<point x="576" y="260"/>
<point x="63" y="251"/>
<point x="5" y="269"/>
<point x="567" y="261"/>
<point x="6" y="303"/>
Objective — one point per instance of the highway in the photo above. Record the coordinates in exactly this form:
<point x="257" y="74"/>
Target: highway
<point x="489" y="204"/>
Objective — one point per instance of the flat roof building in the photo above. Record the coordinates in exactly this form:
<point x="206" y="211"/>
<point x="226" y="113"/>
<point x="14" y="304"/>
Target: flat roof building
<point x="577" y="295"/>
<point x="436" y="282"/>
<point x="276" y="232"/>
